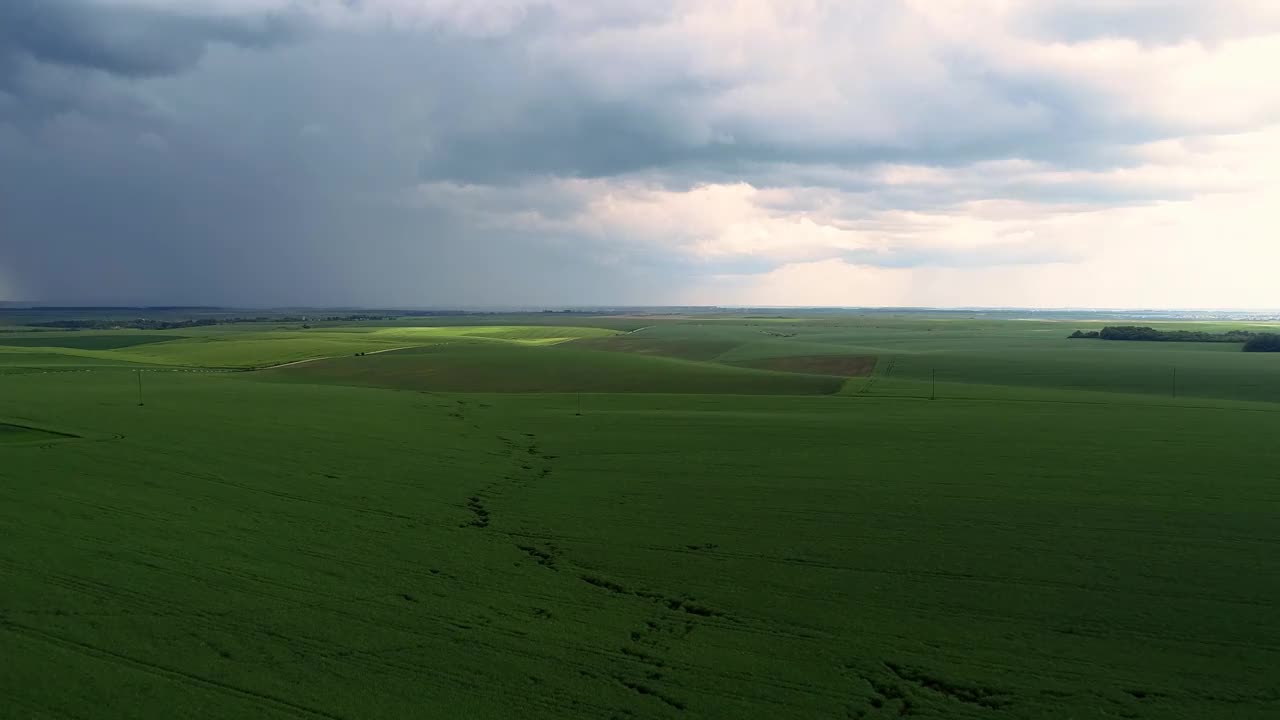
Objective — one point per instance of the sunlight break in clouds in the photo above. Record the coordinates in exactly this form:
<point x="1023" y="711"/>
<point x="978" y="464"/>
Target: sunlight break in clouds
<point x="418" y="152"/>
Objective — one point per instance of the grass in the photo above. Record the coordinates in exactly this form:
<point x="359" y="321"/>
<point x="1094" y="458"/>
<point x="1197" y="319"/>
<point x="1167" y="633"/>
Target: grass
<point x="839" y="365"/>
<point x="1054" y="537"/>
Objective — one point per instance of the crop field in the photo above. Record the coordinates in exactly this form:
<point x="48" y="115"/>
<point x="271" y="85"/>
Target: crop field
<point x="487" y="367"/>
<point x="254" y="349"/>
<point x="96" y="341"/>
<point x="664" y="517"/>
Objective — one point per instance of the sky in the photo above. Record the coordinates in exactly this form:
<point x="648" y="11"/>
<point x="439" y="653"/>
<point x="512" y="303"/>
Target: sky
<point x="418" y="153"/>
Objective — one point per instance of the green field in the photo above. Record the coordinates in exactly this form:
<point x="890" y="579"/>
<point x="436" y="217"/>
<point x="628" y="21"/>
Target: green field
<point x="661" y="517"/>
<point x="489" y="367"/>
<point x="89" y="341"/>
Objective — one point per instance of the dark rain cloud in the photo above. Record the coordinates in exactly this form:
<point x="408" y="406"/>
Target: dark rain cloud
<point x="129" y="41"/>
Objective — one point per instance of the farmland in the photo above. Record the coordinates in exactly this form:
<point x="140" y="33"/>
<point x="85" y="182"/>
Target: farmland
<point x="707" y="516"/>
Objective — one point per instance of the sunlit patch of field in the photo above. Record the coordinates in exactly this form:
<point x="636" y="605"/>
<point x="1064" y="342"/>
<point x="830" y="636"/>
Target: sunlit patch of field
<point x="480" y="366"/>
<point x="526" y="334"/>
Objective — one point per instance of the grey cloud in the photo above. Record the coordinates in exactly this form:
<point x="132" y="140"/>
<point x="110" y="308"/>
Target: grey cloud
<point x="147" y="162"/>
<point x="505" y="122"/>
<point x="224" y="198"/>
<point x="131" y="41"/>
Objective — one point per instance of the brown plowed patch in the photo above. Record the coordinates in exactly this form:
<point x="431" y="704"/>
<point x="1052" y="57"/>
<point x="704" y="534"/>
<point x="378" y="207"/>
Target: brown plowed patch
<point x="839" y="365"/>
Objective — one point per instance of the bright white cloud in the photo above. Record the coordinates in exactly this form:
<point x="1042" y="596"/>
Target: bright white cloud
<point x="1214" y="252"/>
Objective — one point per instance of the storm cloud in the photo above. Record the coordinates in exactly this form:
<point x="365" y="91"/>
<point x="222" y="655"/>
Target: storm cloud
<point x="435" y="152"/>
<point x="127" y="40"/>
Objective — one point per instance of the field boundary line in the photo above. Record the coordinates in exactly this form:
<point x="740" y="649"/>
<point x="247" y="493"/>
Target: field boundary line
<point x="170" y="673"/>
<point x="64" y="435"/>
<point x="330" y="357"/>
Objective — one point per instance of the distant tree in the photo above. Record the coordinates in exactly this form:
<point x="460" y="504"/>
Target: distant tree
<point x="1133" y="332"/>
<point x="1266" y="342"/>
<point x="1129" y="332"/>
<point x="1092" y="334"/>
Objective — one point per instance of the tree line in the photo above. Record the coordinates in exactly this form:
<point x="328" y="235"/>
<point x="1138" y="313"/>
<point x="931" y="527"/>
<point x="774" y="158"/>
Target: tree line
<point x="153" y="324"/>
<point x="1253" y="341"/>
<point x="1264" y="342"/>
<point x="138" y="324"/>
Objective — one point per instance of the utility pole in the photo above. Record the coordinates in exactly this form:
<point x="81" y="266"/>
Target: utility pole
<point x="139" y="373"/>
<point x="579" y="402"/>
<point x="933" y="388"/>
